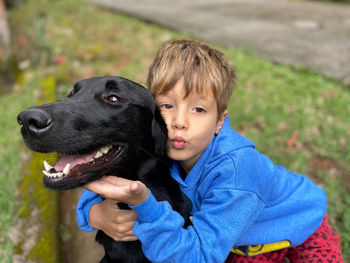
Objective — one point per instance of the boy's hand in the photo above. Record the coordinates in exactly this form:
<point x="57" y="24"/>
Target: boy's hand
<point x="116" y="223"/>
<point x="119" y="189"/>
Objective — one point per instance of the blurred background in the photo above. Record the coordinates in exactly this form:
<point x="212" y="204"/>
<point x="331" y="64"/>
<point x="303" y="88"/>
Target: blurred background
<point x="292" y="97"/>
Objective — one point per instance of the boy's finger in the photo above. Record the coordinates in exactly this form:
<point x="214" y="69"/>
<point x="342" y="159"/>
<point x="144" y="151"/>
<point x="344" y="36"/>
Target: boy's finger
<point x="123" y="237"/>
<point x="125" y="229"/>
<point x="106" y="190"/>
<point x="125" y="216"/>
<point x="120" y="189"/>
<point x="129" y="238"/>
<point x="117" y="181"/>
<point x="135" y="187"/>
<point x="110" y="181"/>
<point x="112" y="203"/>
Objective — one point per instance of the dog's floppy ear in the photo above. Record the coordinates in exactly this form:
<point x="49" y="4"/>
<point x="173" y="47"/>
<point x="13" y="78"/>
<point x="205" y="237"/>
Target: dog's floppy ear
<point x="159" y="133"/>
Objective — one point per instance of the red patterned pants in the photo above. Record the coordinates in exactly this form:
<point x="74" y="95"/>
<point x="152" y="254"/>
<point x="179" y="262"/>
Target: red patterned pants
<point x="323" y="246"/>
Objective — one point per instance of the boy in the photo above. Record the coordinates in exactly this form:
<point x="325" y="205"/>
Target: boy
<point x="242" y="202"/>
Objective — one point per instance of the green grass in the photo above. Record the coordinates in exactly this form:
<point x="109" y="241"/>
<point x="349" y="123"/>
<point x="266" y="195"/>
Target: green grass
<point x="336" y="1"/>
<point x="10" y="140"/>
<point x="271" y="101"/>
<point x="21" y="189"/>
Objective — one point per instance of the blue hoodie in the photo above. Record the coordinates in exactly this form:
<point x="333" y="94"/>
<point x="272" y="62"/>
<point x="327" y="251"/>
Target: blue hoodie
<point x="239" y="198"/>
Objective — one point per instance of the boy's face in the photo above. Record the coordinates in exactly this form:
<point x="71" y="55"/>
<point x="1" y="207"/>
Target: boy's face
<point x="192" y="122"/>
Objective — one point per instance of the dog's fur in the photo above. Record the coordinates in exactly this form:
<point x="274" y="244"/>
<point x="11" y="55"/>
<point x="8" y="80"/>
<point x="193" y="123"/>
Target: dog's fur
<point x="105" y="111"/>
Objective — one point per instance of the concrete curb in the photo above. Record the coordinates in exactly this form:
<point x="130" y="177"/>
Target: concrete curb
<point x="305" y="34"/>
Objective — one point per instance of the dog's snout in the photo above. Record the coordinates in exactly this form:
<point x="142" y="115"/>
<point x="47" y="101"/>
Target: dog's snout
<point x="36" y="121"/>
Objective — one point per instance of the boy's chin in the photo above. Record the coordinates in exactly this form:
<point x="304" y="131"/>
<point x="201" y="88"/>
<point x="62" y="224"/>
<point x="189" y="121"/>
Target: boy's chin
<point x="184" y="158"/>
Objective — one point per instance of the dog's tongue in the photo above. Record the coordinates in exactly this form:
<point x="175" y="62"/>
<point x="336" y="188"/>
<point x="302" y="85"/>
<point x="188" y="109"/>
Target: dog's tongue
<point x="73" y="160"/>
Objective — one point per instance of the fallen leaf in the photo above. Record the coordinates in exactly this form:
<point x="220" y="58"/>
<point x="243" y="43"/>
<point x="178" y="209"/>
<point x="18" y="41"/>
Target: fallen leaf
<point x="293" y="139"/>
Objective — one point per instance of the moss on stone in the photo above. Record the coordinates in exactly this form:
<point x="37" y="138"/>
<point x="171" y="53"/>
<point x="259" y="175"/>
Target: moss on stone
<point x="38" y="209"/>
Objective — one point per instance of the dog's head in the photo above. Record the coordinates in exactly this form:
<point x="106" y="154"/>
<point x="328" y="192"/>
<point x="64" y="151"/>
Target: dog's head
<point x="100" y="129"/>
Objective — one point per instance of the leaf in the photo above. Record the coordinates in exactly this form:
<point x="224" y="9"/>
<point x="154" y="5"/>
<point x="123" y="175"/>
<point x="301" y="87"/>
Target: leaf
<point x="293" y="139"/>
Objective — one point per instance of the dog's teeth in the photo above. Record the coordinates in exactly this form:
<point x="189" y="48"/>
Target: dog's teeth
<point x="47" y="173"/>
<point x="66" y="169"/>
<point x="52" y="175"/>
<point x="47" y="166"/>
<point x="109" y="147"/>
<point x="98" y="154"/>
<point x="104" y="149"/>
<point x="55" y="175"/>
<point x="101" y="152"/>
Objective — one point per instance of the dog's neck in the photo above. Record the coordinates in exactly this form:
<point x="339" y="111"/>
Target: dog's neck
<point x="162" y="159"/>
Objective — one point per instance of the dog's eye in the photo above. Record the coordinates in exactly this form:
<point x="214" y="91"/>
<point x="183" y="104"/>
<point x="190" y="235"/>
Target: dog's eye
<point x="113" y="98"/>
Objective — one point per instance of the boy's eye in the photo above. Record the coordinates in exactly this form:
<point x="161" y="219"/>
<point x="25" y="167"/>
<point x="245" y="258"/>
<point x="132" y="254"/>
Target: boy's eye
<point x="199" y="110"/>
<point x="166" y="106"/>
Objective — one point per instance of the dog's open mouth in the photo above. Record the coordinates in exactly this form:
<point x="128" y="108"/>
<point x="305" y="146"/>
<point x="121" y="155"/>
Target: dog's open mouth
<point x="71" y="170"/>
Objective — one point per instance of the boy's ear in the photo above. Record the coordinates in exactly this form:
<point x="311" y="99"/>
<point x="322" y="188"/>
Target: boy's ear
<point x="221" y="120"/>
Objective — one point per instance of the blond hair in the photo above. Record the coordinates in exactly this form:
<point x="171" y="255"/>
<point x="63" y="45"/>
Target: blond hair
<point x="200" y="66"/>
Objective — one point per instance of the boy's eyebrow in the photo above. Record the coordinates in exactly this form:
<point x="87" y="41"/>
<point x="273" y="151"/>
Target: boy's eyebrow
<point x="207" y="101"/>
<point x="204" y="95"/>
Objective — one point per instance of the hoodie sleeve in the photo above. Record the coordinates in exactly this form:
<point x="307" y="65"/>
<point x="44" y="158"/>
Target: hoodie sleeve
<point x="86" y="201"/>
<point x="223" y="216"/>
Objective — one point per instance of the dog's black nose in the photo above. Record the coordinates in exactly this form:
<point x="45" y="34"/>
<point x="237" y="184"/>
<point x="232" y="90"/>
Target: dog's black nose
<point x="35" y="121"/>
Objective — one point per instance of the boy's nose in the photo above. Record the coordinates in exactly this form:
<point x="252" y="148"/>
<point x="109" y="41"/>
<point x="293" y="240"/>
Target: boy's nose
<point x="179" y="121"/>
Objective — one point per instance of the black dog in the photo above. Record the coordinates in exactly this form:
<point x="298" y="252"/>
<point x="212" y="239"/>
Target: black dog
<point x="106" y="126"/>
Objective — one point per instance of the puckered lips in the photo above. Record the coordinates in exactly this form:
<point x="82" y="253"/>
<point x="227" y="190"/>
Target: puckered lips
<point x="72" y="169"/>
<point x="178" y="142"/>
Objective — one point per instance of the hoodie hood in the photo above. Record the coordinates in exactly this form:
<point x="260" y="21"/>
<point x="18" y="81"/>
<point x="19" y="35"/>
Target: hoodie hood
<point x="228" y="140"/>
<point x="225" y="142"/>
